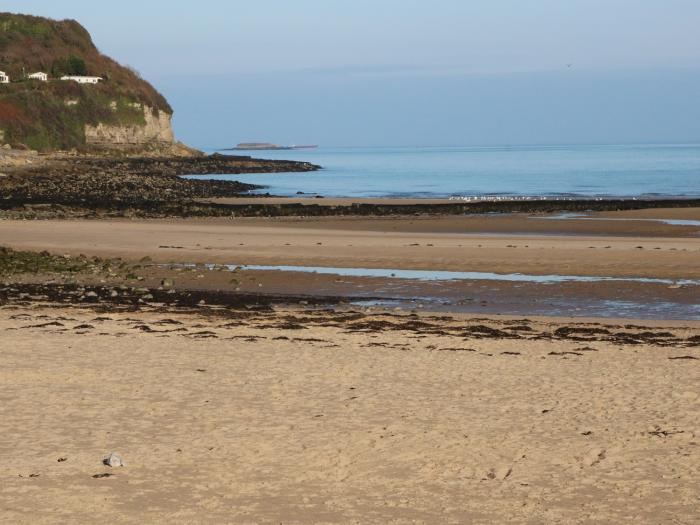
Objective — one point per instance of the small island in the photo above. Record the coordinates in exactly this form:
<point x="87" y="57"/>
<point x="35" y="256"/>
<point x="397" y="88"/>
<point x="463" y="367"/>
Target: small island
<point x="267" y="146"/>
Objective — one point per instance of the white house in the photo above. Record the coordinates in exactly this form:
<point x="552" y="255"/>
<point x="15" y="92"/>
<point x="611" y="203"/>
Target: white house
<point x="39" y="76"/>
<point x="4" y="79"/>
<point x="82" y="80"/>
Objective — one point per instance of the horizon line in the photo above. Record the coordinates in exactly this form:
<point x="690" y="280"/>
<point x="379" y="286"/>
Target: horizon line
<point x="504" y="145"/>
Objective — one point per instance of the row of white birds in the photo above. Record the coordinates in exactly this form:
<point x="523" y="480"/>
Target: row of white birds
<point x="494" y="198"/>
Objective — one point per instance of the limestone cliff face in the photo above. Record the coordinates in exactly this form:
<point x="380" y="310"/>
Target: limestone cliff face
<point x="157" y="131"/>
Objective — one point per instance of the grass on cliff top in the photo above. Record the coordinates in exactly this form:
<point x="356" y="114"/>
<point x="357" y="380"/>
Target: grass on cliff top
<point x="14" y="26"/>
<point x="32" y="43"/>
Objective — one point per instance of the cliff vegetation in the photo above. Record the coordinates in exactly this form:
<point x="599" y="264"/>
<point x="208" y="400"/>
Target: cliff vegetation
<point x="54" y="115"/>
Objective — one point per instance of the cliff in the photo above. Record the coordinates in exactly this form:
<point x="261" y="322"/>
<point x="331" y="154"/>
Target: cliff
<point x="121" y="111"/>
<point x="155" y="131"/>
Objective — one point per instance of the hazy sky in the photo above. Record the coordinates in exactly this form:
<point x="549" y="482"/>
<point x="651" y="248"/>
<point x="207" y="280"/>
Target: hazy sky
<point x="409" y="72"/>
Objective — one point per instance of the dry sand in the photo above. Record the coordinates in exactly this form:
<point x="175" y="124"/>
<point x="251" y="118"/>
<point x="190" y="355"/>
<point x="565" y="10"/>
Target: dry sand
<point x="242" y="417"/>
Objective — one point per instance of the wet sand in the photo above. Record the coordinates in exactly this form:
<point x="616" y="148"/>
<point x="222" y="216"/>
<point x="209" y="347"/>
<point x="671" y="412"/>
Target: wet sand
<point x="521" y="245"/>
<point x="294" y="416"/>
<point x="659" y="213"/>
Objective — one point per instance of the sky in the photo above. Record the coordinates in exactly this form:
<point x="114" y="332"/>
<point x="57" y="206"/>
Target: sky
<point x="408" y="72"/>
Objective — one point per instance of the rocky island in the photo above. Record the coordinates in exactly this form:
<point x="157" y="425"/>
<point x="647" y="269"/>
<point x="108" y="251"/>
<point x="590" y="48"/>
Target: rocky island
<point x="267" y="146"/>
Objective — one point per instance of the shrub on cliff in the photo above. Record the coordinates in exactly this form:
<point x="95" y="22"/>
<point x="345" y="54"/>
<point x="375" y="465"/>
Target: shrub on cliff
<point x="72" y="65"/>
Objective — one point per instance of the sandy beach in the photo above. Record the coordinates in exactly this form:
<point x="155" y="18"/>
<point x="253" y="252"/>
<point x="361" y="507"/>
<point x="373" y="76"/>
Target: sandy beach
<point x="297" y="416"/>
<point x="327" y="411"/>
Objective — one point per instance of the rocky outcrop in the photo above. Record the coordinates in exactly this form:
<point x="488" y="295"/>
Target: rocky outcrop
<point x="156" y="131"/>
<point x="126" y="182"/>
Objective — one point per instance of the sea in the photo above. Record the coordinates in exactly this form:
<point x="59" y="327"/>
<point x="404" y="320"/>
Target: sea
<point x="580" y="171"/>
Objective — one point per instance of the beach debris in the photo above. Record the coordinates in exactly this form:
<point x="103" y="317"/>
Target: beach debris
<point x="659" y="432"/>
<point x="564" y="354"/>
<point x="114" y="460"/>
<point x="100" y="476"/>
<point x="167" y="283"/>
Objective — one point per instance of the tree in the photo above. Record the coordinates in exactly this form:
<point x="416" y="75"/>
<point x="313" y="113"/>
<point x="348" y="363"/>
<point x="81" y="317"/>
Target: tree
<point x="77" y="66"/>
<point x="73" y="65"/>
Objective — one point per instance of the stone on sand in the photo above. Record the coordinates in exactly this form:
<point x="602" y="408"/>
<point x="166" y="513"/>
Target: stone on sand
<point x="114" y="460"/>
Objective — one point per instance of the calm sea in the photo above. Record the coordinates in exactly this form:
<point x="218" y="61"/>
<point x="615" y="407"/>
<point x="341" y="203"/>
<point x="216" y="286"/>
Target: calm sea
<point x="589" y="171"/>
